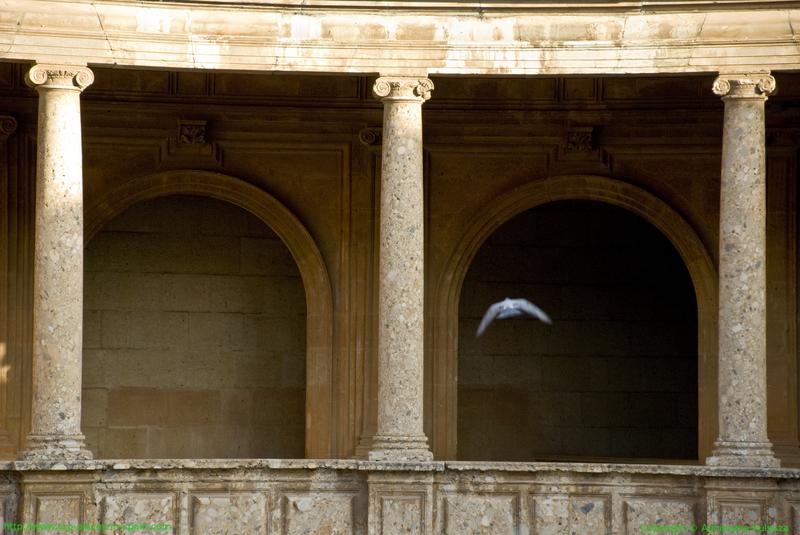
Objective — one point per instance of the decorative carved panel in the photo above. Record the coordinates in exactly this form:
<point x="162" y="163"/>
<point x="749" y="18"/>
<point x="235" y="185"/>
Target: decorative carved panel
<point x="481" y="513"/>
<point x="321" y="512"/>
<point x="221" y="514"/>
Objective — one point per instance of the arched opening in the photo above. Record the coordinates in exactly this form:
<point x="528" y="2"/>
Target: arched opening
<point x="442" y="342"/>
<point x="195" y="334"/>
<point x="614" y="377"/>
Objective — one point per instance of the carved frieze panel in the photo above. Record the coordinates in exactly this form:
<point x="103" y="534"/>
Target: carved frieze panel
<point x="556" y="514"/>
<point x="642" y="512"/>
<point x="318" y="512"/>
<point x="735" y="512"/>
<point x="550" y="515"/>
<point x="140" y="508"/>
<point x="481" y="513"/>
<point x="402" y="514"/>
<point x="221" y="514"/>
<point x="590" y="514"/>
<point x="58" y="509"/>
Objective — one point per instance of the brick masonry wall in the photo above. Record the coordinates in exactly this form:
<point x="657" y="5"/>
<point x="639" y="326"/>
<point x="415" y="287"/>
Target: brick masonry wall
<point x="615" y="376"/>
<point x="194" y="335"/>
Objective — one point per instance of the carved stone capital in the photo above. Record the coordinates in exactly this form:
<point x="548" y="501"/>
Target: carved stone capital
<point x="407" y="89"/>
<point x="8" y="125"/>
<point x="744" y="86"/>
<point x="72" y="77"/>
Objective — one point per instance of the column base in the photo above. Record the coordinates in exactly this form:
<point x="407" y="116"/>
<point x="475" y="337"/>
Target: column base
<point x="394" y="448"/>
<point x="744" y="454"/>
<point x="55" y="447"/>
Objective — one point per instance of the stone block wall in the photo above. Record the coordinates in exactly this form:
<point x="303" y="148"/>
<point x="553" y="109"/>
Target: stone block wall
<point x="616" y="373"/>
<point x="194" y="341"/>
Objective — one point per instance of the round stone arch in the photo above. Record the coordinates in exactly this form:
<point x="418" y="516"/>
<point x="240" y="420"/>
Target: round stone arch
<point x="319" y="296"/>
<point x="442" y="366"/>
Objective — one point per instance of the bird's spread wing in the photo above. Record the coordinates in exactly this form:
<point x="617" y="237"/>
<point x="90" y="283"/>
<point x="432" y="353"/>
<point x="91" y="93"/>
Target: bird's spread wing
<point x="490" y="315"/>
<point x="533" y="310"/>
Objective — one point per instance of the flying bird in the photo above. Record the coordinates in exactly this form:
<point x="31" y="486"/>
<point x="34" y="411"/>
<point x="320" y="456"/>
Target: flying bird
<point x="510" y="308"/>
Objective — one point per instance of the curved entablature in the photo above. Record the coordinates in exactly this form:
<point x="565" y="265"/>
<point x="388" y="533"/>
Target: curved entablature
<point x="412" y="38"/>
<point x="489" y="6"/>
<point x="319" y="297"/>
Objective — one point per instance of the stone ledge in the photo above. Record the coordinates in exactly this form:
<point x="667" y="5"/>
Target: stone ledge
<point x="373" y="466"/>
<point x="221" y="464"/>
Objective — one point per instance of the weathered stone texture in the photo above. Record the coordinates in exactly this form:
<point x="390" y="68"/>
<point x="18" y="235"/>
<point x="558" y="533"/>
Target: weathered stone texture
<point x="743" y="436"/>
<point x="481" y="513"/>
<point x="656" y="511"/>
<point x="400" y="432"/>
<point x="195" y="316"/>
<point x="290" y="497"/>
<point x="228" y="514"/>
<point x="58" y="270"/>
<point x="57" y="509"/>
<point x="140" y="508"/>
<point x="318" y="513"/>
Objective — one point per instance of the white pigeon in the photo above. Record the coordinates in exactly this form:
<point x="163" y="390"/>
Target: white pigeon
<point x="510" y="308"/>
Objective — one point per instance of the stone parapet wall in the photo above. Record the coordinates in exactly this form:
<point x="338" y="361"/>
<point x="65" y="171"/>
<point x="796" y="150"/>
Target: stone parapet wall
<point x="343" y="497"/>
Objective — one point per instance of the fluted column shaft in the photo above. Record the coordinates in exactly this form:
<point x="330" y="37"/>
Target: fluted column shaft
<point x="58" y="265"/>
<point x="743" y="437"/>
<point x="400" y="435"/>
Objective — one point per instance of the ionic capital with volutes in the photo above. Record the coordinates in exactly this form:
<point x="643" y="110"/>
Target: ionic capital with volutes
<point x="744" y="86"/>
<point x="402" y="88"/>
<point x="49" y="76"/>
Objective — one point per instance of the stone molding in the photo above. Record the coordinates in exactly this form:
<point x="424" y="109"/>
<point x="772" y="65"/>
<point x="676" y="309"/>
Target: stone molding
<point x="319" y="296"/>
<point x="744" y="86"/>
<point x="402" y="89"/>
<point x="442" y="386"/>
<point x="72" y="77"/>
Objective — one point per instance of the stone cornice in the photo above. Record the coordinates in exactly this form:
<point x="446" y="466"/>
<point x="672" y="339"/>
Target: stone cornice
<point x="401" y="42"/>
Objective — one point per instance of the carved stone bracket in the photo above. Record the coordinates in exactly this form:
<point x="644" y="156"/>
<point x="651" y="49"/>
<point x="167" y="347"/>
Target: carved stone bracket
<point x="191" y="132"/>
<point x="579" y="139"/>
<point x="191" y="146"/>
<point x="580" y="144"/>
<point x="8" y="125"/>
<point x="371" y="136"/>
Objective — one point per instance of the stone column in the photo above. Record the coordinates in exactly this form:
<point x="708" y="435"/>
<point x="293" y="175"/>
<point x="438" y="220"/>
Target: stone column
<point x="743" y="437"/>
<point x="58" y="265"/>
<point x="400" y="435"/>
